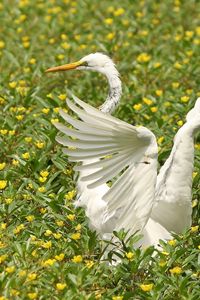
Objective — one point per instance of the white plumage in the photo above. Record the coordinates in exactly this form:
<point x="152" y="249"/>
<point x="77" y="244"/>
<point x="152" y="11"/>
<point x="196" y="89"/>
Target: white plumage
<point x="109" y="148"/>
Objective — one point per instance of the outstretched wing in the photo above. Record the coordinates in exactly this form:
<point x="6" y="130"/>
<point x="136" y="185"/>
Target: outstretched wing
<point x="119" y="151"/>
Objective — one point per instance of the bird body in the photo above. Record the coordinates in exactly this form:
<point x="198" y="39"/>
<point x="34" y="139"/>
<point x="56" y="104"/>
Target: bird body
<point x="110" y="149"/>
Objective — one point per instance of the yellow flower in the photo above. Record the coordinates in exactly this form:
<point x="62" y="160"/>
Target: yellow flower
<point x="165" y="253"/>
<point x="194" y="228"/>
<point x="2" y="166"/>
<point x="33" y="238"/>
<point x="156" y="65"/>
<point x="12" y="84"/>
<point x="62" y="97"/>
<point x="32" y="61"/>
<point x="197" y="146"/>
<point x="189" y="34"/>
<point x="172" y="242"/>
<point x="146" y="287"/>
<point x="2" y="245"/>
<point x="160" y="140"/>
<point x="49" y="262"/>
<point x="60" y="257"/>
<point x="12" y="132"/>
<point x="32" y="296"/>
<point x="48" y="232"/>
<point x="49" y="96"/>
<point x="110" y="36"/>
<point x="194" y="174"/>
<point x="189" y="91"/>
<point x="70" y="195"/>
<point x="57" y="235"/>
<point x="3" y="131"/>
<point x="15" y="162"/>
<point x="185" y="99"/>
<point x="26" y="44"/>
<point x="14" y="293"/>
<point x="10" y="269"/>
<point x="65" y="45"/>
<point x="194" y="203"/>
<point x="3" y="258"/>
<point x="18" y="229"/>
<point x="45" y="110"/>
<point x="46" y="245"/>
<point x="60" y="223"/>
<point x="3" y="184"/>
<point x="60" y="286"/>
<point x="30" y="218"/>
<point x="118" y="12"/>
<point x="2" y="44"/>
<point x="177" y="65"/>
<point x="89" y="263"/>
<point x="139" y="14"/>
<point x="180" y="123"/>
<point x="137" y="106"/>
<point x="56" y="109"/>
<point x="147" y="101"/>
<point x="60" y="56"/>
<point x="108" y="21"/>
<point x="189" y="53"/>
<point x="78" y="227"/>
<point x="129" y="255"/>
<point x="34" y="253"/>
<point x="154" y="109"/>
<point x="39" y="144"/>
<point x="159" y="92"/>
<point x="71" y="217"/>
<point x="42" y="189"/>
<point x="44" y="173"/>
<point x="143" y="57"/>
<point x="32" y="276"/>
<point x="77" y="259"/>
<point x="176" y="270"/>
<point x="8" y="200"/>
<point x="3" y="226"/>
<point x="19" y="117"/>
<point x="43" y="210"/>
<point x="54" y="120"/>
<point x="162" y="263"/>
<point x="2" y="100"/>
<point x="76" y="236"/>
<point x="63" y="36"/>
<point x="117" y="297"/>
<point x="42" y="179"/>
<point x="28" y="139"/>
<point x="26" y="155"/>
<point x="22" y="273"/>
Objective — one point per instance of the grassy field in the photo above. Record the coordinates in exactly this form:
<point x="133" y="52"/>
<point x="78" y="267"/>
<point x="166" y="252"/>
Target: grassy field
<point x="47" y="250"/>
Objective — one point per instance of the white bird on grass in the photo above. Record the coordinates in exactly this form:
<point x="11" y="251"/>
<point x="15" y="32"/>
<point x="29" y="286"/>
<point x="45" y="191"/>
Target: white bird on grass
<point x="109" y="148"/>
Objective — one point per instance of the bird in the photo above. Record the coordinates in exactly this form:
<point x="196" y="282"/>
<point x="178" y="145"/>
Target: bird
<point x="109" y="150"/>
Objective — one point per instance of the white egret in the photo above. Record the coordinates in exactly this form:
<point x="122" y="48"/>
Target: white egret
<point x="109" y="148"/>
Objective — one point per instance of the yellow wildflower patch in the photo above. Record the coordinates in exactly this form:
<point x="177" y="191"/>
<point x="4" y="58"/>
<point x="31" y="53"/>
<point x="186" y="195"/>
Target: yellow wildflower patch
<point x="146" y="287"/>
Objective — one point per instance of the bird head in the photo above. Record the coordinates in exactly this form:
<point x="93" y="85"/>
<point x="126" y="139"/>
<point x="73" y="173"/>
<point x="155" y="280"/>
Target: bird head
<point x="95" y="61"/>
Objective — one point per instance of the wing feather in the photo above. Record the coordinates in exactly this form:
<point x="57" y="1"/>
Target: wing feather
<point x="132" y="159"/>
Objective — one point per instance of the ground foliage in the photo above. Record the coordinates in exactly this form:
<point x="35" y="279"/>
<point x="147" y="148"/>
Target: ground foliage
<point x="47" y="250"/>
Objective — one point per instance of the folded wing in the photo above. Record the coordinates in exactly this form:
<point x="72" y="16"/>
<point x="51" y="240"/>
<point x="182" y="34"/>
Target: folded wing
<point x="121" y="154"/>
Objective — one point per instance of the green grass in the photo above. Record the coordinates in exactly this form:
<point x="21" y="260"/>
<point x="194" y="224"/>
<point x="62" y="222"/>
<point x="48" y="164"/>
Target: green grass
<point x="46" y="249"/>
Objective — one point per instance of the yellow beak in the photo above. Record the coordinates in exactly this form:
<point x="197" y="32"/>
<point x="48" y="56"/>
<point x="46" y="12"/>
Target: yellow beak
<point x="65" y="67"/>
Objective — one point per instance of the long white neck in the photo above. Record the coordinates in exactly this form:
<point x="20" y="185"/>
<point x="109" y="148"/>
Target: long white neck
<point x="115" y="91"/>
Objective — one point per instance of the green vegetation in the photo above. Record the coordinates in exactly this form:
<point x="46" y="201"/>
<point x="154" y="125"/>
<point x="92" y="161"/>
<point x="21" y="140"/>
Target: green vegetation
<point x="46" y="248"/>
